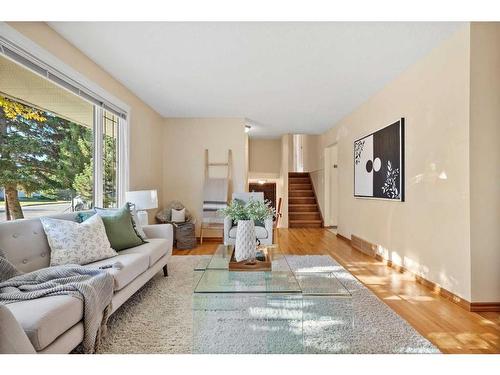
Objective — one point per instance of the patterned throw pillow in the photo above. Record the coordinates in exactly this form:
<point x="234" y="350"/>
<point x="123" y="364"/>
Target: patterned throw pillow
<point x="75" y="243"/>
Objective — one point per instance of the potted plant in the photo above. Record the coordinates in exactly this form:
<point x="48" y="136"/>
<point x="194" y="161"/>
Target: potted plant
<point x="246" y="215"/>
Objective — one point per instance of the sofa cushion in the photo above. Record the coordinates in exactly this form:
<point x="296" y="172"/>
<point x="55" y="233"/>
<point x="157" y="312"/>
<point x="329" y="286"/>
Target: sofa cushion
<point x="132" y="266"/>
<point x="154" y="249"/>
<point x="260" y="232"/>
<point x="67" y="341"/>
<point x="24" y="242"/>
<point x="44" y="319"/>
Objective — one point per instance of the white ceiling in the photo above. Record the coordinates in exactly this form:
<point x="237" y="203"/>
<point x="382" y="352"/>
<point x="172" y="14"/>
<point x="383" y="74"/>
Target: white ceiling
<point x="284" y="77"/>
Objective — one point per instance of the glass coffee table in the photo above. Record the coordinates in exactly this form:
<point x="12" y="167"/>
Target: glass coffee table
<point x="255" y="311"/>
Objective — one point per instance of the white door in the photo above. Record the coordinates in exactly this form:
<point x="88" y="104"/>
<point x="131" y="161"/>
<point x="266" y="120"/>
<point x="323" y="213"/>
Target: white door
<point x="334" y="184"/>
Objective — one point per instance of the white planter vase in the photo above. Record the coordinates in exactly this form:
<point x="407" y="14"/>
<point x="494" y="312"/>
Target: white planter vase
<point x="245" y="247"/>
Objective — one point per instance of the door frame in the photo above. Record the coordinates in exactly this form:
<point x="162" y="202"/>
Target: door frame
<point x="267" y="183"/>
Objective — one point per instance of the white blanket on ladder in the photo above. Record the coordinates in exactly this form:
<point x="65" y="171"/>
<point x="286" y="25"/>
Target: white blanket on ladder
<point x="214" y="198"/>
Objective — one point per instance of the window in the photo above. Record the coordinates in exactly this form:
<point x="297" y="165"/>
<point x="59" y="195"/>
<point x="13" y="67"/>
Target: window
<point x="110" y="159"/>
<point x="58" y="152"/>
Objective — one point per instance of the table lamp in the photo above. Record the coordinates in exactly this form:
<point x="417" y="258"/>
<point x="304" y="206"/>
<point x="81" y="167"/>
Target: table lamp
<point x="142" y="200"/>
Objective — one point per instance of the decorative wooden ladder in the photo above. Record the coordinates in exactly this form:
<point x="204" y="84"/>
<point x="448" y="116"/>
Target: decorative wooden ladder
<point x="229" y="166"/>
<point x="303" y="209"/>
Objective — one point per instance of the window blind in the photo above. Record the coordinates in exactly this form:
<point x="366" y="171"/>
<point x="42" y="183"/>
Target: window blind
<point x="32" y="63"/>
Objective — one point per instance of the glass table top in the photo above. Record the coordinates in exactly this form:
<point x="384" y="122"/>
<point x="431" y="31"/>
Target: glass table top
<point x="276" y="311"/>
<point x="321" y="284"/>
<point x="217" y="278"/>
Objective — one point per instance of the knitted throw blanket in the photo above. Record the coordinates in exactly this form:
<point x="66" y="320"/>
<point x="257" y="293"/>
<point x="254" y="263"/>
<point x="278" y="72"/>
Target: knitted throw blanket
<point x="93" y="286"/>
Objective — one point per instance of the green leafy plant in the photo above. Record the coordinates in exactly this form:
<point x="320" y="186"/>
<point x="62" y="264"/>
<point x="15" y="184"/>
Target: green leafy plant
<point x="252" y="210"/>
<point x="39" y="152"/>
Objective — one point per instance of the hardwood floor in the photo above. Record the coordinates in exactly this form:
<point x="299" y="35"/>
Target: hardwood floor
<point x="451" y="328"/>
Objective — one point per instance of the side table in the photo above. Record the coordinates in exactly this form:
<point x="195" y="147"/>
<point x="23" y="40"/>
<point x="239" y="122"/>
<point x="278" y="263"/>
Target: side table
<point x="184" y="236"/>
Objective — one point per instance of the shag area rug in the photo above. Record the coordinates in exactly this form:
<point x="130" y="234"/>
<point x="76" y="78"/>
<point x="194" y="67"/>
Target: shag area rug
<point x="163" y="317"/>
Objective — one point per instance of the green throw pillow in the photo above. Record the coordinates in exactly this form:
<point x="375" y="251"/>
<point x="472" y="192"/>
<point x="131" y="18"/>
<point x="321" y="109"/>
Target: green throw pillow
<point x="120" y="227"/>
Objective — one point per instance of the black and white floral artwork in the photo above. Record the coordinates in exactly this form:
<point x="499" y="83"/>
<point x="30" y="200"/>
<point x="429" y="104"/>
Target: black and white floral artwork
<point x="358" y="149"/>
<point x="379" y="164"/>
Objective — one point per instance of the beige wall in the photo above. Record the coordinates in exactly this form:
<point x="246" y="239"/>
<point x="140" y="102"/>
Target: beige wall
<point x="264" y="156"/>
<point x="429" y="233"/>
<point x="311" y="149"/>
<point x="307" y="148"/>
<point x="184" y="142"/>
<point x="265" y="163"/>
<point x="484" y="159"/>
<point x="145" y="123"/>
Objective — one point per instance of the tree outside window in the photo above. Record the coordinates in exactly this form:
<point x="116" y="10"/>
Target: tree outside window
<point x="45" y="155"/>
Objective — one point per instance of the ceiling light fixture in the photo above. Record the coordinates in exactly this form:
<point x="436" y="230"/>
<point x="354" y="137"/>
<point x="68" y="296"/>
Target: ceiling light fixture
<point x="247" y="128"/>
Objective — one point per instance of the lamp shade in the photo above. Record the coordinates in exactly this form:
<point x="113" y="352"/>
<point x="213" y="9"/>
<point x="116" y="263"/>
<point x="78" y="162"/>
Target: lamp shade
<point x="143" y="199"/>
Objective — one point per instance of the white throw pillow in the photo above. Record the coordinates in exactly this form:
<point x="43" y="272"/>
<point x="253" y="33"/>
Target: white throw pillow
<point x="77" y="243"/>
<point x="137" y="226"/>
<point x="179" y="216"/>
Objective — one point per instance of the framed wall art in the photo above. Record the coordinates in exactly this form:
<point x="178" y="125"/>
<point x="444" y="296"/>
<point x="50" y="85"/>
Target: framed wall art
<point x="379" y="164"/>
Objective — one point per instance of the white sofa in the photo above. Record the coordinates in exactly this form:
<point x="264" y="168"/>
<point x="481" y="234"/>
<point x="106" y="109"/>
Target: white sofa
<point x="54" y="324"/>
<point x="263" y="233"/>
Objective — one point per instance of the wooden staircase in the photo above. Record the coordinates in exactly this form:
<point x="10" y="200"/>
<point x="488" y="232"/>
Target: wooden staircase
<point x="303" y="209"/>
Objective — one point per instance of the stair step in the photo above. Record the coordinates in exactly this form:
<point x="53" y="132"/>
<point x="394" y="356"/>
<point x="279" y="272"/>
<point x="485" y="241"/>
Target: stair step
<point x="299" y="187"/>
<point x="304" y="226"/>
<point x="304" y="216"/>
<point x="301" y="193"/>
<point x="298" y="174"/>
<point x="303" y="207"/>
<point x="299" y="180"/>
<point x="303" y="211"/>
<point x="304" y="223"/>
<point x="301" y="200"/>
